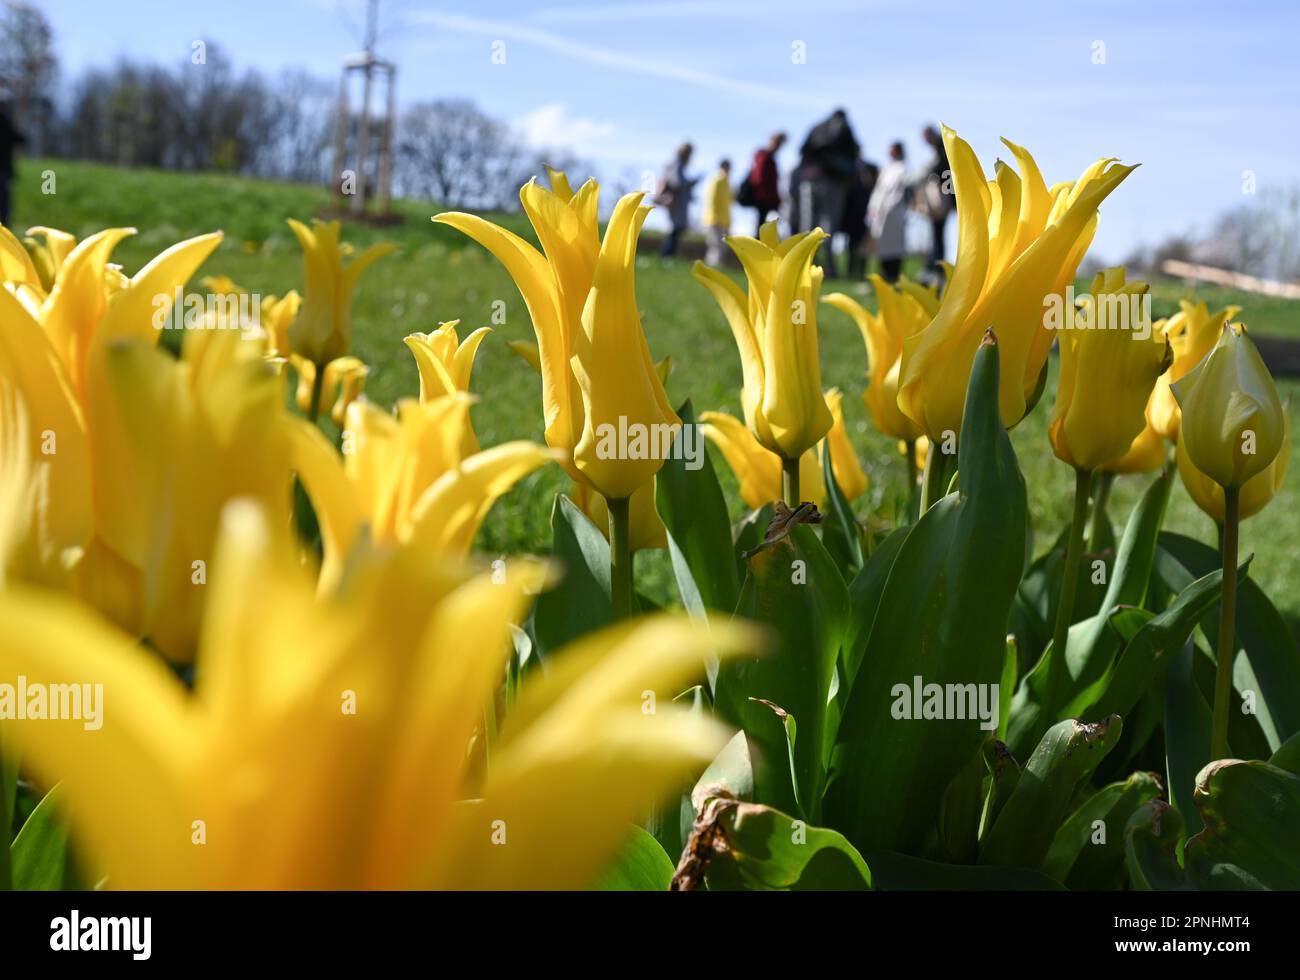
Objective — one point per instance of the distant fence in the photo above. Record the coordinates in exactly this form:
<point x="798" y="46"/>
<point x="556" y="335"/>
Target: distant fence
<point x="1195" y="273"/>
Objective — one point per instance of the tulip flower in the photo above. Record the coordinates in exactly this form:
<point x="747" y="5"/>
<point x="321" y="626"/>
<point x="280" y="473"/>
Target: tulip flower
<point x="598" y="380"/>
<point x="847" y="469"/>
<point x="774" y="324"/>
<point x="1192" y="333"/>
<point x="757" y="470"/>
<point x="904" y="311"/>
<point x="1107" y="376"/>
<point x="278" y="314"/>
<point x="345" y="378"/>
<point x="1232" y="429"/>
<point x="1255" y="493"/>
<point x="323" y="328"/>
<point x="335" y="742"/>
<point x="1019" y="245"/>
<point x="445" y="364"/>
<point x="1110" y="363"/>
<point x="134" y="451"/>
<point x="406" y="479"/>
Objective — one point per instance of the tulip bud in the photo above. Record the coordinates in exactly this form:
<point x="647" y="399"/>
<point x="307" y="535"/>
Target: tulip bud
<point x="1233" y="423"/>
<point x="775" y="327"/>
<point x="323" y="329"/>
<point x="1255" y="492"/>
<point x="1108" y="368"/>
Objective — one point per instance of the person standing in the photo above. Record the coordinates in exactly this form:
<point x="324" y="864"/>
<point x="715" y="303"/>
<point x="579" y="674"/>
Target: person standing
<point x="10" y="138"/>
<point x="717" y="211"/>
<point x="936" y="199"/>
<point x="854" y="220"/>
<point x="887" y="214"/>
<point x="761" y="188"/>
<point x="674" y="193"/>
<point x="828" y="161"/>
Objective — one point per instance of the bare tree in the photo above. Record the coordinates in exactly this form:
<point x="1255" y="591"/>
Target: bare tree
<point x="28" y="67"/>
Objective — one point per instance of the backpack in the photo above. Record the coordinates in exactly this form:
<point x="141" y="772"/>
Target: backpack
<point x="745" y="196"/>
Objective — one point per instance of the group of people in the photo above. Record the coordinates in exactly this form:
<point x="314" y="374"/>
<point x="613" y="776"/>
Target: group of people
<point x="833" y="187"/>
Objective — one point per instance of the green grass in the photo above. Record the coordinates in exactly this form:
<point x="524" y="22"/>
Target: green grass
<point x="439" y="275"/>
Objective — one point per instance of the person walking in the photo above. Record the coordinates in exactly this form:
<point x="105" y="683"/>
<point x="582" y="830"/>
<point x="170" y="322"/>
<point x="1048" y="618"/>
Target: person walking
<point x="828" y="161"/>
<point x="887" y="214"/>
<point x="761" y="189"/>
<point x="10" y="139"/>
<point x="936" y="198"/>
<point x="674" y="193"/>
<point x="717" y="211"/>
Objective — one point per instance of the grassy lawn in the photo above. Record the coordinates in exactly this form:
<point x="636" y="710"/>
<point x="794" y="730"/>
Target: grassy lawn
<point x="439" y="275"/>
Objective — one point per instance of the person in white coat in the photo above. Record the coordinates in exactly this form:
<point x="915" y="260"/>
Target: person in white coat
<point x="887" y="214"/>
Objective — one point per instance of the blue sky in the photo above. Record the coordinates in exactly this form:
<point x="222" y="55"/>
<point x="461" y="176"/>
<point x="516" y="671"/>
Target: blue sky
<point x="1196" y="91"/>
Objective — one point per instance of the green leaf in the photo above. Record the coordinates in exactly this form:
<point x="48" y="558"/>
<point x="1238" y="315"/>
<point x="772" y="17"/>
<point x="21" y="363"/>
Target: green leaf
<point x="1251" y="812"/>
<point x="841" y="532"/>
<point x="39" y="854"/>
<point x="1150" y="848"/>
<point x="581" y="603"/>
<point x="1093" y="644"/>
<point x="942" y="615"/>
<point x="1288" y="756"/>
<point x="1155" y="643"/>
<point x="694" y="511"/>
<point x="641" y="866"/>
<point x="901" y="873"/>
<point x="1004" y="776"/>
<point x="1187" y="734"/>
<point x="1066" y="756"/>
<point x="1270" y="647"/>
<point x="768" y="850"/>
<point x="864" y="600"/>
<point x="1088" y="850"/>
<point x="795" y="588"/>
<point x="748" y="534"/>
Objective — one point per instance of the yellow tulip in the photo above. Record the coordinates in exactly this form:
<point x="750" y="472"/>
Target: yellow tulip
<point x="598" y="380"/>
<point x="445" y="364"/>
<point x="405" y="478"/>
<point x="323" y="328"/>
<point x="1232" y="423"/>
<point x="902" y="314"/>
<point x="849" y="475"/>
<point x="758" y="470"/>
<point x="1019" y="245"/>
<point x="775" y="327"/>
<point x="278" y="314"/>
<point x="1255" y="492"/>
<point x="345" y="378"/>
<point x="1108" y="369"/>
<point x="1192" y="333"/>
<point x="645" y="526"/>
<point x="331" y="742"/>
<point x="1147" y="452"/>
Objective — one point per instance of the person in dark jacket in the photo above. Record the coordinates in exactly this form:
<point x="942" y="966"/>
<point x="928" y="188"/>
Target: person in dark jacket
<point x="761" y="189"/>
<point x="853" y="223"/>
<point x="10" y="138"/>
<point x="937" y="196"/>
<point x="674" y="194"/>
<point x="828" y="165"/>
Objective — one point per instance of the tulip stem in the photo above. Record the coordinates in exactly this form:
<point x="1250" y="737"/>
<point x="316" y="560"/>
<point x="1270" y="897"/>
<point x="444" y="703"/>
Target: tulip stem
<point x="317" y="389"/>
<point x="1056" y="666"/>
<point x="790" y="481"/>
<point x="620" y="556"/>
<point x="911" y="472"/>
<point x="1227" y="622"/>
